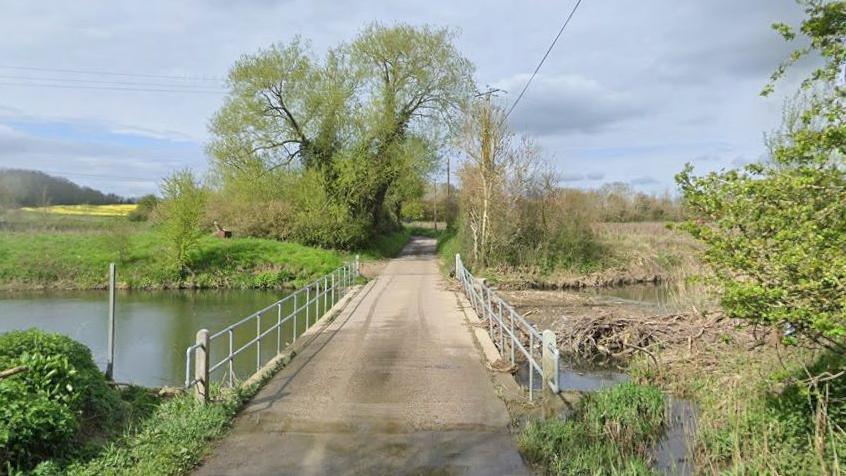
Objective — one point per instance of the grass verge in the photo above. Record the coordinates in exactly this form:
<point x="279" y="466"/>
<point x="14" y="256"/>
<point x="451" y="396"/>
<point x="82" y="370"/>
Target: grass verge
<point x="611" y="430"/>
<point x="170" y="440"/>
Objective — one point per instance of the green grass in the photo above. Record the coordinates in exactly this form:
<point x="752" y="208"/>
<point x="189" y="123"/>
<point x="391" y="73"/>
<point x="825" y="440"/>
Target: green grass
<point x="171" y="440"/>
<point x="758" y="411"/>
<point x="74" y="253"/>
<point x="386" y="246"/>
<point x="610" y="433"/>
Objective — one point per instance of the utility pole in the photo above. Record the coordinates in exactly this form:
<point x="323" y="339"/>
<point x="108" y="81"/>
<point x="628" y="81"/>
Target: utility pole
<point x="435" y="203"/>
<point x="448" y="203"/>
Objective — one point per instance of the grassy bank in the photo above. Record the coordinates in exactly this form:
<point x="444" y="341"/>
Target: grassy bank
<point x="763" y="408"/>
<point x="53" y="251"/>
<point x="611" y="432"/>
<point x="60" y="417"/>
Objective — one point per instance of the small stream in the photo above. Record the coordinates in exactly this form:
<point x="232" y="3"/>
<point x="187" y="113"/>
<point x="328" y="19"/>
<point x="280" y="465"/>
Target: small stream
<point x="672" y="454"/>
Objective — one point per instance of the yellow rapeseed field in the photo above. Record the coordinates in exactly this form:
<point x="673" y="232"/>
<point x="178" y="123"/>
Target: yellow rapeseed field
<point x="95" y="210"/>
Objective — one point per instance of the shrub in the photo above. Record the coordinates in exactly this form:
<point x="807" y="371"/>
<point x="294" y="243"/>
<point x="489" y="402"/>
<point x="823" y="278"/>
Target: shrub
<point x="181" y="215"/>
<point x="44" y="408"/>
<point x="146" y="205"/>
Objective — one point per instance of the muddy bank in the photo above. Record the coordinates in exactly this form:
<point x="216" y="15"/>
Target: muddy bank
<point x="609" y="278"/>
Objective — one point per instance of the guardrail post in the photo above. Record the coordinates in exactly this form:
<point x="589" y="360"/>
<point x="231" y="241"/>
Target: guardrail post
<point x="296" y="313"/>
<point x="357" y="270"/>
<point x="110" y="364"/>
<point x="279" y="330"/>
<point x="258" y="342"/>
<point x="231" y="358"/>
<point x="549" y="360"/>
<point x="201" y="366"/>
<point x="307" y="305"/>
<point x="531" y="367"/>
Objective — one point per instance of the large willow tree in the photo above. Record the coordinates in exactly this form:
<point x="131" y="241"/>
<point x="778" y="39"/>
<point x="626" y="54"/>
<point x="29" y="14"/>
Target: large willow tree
<point x="366" y="119"/>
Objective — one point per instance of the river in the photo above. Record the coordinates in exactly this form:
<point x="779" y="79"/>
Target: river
<point x="152" y="328"/>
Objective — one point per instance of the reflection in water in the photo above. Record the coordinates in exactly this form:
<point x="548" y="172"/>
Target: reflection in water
<point x="153" y="328"/>
<point x="673" y="453"/>
<point x="662" y="297"/>
<point x="574" y="379"/>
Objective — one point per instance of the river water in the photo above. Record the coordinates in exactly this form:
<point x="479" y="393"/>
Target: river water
<point x="152" y="328"/>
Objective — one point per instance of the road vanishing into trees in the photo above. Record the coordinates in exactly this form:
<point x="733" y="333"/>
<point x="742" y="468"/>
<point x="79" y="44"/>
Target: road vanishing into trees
<point x="394" y="385"/>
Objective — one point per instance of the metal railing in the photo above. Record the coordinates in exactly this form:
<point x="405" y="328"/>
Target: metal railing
<point x="510" y="331"/>
<point x="306" y="305"/>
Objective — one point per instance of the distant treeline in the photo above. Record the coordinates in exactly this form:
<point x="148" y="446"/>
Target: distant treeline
<point x="31" y="188"/>
<point x="612" y="202"/>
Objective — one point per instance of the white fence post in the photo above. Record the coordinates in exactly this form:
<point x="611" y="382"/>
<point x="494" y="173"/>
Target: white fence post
<point x="110" y="363"/>
<point x="549" y="360"/>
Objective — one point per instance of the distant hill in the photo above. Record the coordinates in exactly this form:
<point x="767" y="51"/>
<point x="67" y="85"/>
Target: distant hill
<point x="31" y="188"/>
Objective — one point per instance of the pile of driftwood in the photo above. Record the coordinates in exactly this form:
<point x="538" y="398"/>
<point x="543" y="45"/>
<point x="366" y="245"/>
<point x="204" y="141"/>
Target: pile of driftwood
<point x="615" y="336"/>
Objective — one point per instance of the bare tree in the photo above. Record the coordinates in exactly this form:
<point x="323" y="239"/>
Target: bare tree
<point x="485" y="140"/>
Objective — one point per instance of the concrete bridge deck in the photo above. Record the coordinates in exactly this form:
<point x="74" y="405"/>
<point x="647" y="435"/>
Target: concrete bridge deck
<point x="394" y="385"/>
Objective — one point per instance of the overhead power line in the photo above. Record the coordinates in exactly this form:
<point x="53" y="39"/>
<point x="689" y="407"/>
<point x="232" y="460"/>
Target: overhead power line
<point x="100" y="81"/>
<point x="116" y="73"/>
<point x="545" y="55"/>
<point x="110" y="88"/>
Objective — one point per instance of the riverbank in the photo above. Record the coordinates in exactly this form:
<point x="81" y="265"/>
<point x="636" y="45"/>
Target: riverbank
<point x="635" y="253"/>
<point x="49" y="251"/>
<point x="763" y="407"/>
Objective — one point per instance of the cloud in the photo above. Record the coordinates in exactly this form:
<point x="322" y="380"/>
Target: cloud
<point x="595" y="176"/>
<point x="685" y="75"/>
<point x="571" y="178"/>
<point x="567" y="103"/>
<point x="644" y="180"/>
<point x="104" y="161"/>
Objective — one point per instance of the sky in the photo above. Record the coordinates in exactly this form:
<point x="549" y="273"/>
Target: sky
<point x="116" y="94"/>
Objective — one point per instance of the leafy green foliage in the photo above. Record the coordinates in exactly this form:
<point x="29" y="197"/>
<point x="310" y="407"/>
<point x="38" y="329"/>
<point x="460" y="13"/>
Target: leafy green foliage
<point x="609" y="434"/>
<point x="774" y="232"/>
<point x="337" y="145"/>
<point x="43" y="408"/>
<point x="180" y="215"/>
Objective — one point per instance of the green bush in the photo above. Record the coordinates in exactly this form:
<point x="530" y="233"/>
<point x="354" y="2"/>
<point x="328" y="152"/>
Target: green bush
<point x="146" y="205"/>
<point x="45" y="407"/>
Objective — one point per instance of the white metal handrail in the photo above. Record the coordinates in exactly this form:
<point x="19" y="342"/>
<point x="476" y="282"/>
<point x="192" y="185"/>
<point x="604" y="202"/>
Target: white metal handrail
<point x="513" y="328"/>
<point x="312" y="300"/>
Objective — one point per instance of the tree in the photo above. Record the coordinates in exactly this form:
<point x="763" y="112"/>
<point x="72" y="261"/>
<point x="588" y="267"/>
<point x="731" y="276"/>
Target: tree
<point x="775" y="231"/>
<point x="486" y="140"/>
<point x="180" y="215"/>
<point x="416" y="82"/>
<point x="356" y="117"/>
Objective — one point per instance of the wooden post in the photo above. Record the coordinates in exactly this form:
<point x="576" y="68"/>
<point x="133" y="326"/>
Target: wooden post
<point x="201" y="366"/>
<point x="110" y="346"/>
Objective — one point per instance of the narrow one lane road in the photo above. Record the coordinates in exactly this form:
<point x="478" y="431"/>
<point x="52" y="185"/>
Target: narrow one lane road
<point x="394" y="385"/>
